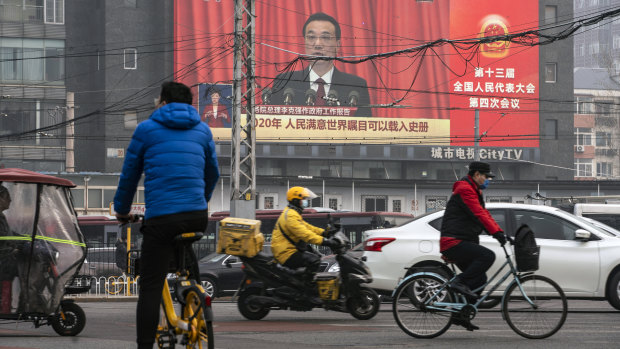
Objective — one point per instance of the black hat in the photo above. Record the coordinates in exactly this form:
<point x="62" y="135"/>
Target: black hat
<point x="481" y="167"/>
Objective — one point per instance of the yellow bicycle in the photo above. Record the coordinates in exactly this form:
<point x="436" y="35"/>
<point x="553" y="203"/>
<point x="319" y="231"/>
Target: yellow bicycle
<point x="194" y="324"/>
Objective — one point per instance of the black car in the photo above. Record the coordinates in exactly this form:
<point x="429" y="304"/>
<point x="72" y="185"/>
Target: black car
<point x="220" y="274"/>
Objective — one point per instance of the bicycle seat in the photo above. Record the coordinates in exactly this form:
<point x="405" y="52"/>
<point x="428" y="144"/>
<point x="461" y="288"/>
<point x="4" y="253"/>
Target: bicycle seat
<point x="188" y="238"/>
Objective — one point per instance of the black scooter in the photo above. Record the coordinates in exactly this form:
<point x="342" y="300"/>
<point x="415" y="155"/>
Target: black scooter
<point x="269" y="286"/>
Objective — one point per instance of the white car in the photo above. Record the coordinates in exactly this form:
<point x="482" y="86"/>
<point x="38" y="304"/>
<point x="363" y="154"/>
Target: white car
<point x="582" y="257"/>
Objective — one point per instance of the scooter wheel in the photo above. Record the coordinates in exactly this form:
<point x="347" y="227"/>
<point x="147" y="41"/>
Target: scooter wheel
<point x="251" y="311"/>
<point x="70" y="319"/>
<point x="364" y="305"/>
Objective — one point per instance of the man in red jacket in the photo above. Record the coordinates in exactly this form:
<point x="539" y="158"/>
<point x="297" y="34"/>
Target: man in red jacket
<point x="465" y="218"/>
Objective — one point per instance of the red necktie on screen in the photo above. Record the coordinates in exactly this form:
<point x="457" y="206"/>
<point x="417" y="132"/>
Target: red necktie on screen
<point x="320" y="92"/>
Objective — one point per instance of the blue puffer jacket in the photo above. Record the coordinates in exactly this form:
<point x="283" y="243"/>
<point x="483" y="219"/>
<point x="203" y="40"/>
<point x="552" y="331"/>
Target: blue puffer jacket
<point x="177" y="154"/>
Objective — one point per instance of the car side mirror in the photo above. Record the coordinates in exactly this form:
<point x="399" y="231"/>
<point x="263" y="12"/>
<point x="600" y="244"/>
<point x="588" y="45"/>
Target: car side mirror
<point x="230" y="261"/>
<point x="582" y="235"/>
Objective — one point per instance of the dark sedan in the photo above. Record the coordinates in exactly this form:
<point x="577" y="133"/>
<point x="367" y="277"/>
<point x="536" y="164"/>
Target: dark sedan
<point x="220" y="274"/>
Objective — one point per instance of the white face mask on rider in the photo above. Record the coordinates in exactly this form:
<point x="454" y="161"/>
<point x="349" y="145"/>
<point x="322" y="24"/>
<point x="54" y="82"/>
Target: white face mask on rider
<point x="305" y="203"/>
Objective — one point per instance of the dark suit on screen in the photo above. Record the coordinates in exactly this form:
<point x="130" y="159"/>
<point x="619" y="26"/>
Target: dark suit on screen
<point x="341" y="82"/>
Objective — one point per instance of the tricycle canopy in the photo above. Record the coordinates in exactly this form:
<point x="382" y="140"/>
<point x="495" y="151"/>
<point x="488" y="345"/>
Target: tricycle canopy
<point x="41" y="245"/>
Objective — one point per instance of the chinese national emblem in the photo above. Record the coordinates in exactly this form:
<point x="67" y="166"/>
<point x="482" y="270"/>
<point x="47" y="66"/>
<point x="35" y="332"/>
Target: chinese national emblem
<point x="494" y="26"/>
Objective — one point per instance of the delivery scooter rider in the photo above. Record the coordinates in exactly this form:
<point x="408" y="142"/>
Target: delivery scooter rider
<point x="291" y="231"/>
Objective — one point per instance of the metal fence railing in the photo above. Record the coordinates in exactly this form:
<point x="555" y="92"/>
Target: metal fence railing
<point x="106" y="278"/>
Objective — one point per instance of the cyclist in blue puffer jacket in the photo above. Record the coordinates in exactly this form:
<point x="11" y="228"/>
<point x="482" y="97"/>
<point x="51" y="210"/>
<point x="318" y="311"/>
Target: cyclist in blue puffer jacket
<point x="175" y="150"/>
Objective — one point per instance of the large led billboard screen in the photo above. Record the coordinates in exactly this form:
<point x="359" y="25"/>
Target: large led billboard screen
<point x="397" y="80"/>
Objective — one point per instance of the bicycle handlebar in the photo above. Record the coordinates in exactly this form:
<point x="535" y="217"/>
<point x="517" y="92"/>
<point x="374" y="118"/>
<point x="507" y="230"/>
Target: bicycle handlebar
<point x="131" y="219"/>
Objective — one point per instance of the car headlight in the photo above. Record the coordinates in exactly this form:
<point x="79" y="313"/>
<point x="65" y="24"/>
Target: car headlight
<point x="334" y="268"/>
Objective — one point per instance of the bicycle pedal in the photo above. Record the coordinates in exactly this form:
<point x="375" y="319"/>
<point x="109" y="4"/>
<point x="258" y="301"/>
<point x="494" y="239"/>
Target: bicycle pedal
<point x="166" y="341"/>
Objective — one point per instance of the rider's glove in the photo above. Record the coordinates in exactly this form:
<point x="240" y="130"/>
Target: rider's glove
<point x="331" y="243"/>
<point x="500" y="237"/>
<point x="332" y="229"/>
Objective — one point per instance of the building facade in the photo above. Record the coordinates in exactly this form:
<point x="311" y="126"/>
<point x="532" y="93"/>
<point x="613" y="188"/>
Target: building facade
<point x="118" y="52"/>
<point x="597" y="94"/>
<point x="32" y="84"/>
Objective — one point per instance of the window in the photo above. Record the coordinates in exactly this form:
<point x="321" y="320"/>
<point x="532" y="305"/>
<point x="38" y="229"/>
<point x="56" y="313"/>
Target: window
<point x="583" y="167"/>
<point x="550" y="72"/>
<point x="604" y="106"/>
<point x="333" y="203"/>
<point x="584" y="105"/>
<point x="268" y="202"/>
<point x="593" y="48"/>
<point x="372" y="203"/>
<point x="78" y="197"/>
<point x="396" y="206"/>
<point x="499" y="215"/>
<point x="551" y="129"/>
<point x="434" y="203"/>
<point x="616" y="42"/>
<point x="131" y="120"/>
<point x="26" y="59"/>
<point x="579" y="50"/>
<point x="546" y="226"/>
<point x="584" y="136"/>
<point x="317" y="202"/>
<point x="604" y="169"/>
<point x="603" y="139"/>
<point x="130" y="56"/>
<point x="95" y="198"/>
<point x="54" y="11"/>
<point x="551" y="14"/>
<point x="498" y="199"/>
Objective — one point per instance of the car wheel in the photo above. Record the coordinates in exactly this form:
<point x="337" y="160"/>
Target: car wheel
<point x="209" y="285"/>
<point x="613" y="291"/>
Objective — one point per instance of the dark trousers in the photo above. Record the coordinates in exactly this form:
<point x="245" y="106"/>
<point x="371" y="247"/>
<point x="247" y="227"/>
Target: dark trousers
<point x="308" y="260"/>
<point x="158" y="249"/>
<point x="474" y="260"/>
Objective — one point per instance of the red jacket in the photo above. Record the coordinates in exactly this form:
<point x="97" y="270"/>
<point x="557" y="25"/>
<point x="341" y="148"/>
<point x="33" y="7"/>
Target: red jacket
<point x="465" y="215"/>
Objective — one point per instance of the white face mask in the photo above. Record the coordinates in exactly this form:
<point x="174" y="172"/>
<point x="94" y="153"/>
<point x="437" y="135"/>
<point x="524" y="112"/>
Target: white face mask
<point x="305" y="203"/>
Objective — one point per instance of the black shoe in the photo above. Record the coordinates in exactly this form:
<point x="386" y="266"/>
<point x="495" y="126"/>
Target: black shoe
<point x="465" y="323"/>
<point x="463" y="289"/>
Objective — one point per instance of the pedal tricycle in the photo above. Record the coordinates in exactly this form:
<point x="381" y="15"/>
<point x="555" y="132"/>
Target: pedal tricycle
<point x="41" y="251"/>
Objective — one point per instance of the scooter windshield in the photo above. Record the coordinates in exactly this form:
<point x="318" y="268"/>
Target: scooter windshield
<point x="41" y="246"/>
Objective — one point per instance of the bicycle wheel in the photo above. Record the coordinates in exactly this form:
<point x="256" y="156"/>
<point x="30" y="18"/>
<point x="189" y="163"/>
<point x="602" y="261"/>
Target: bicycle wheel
<point x="411" y="314"/>
<point x="202" y="329"/>
<point x="541" y="318"/>
<point x="114" y="285"/>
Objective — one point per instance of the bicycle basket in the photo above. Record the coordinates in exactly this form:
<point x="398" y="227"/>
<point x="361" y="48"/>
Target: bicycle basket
<point x="133" y="263"/>
<point x="527" y="253"/>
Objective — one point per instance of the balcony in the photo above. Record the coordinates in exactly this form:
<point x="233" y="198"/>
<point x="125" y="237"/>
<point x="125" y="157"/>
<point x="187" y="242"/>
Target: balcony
<point x="606" y="152"/>
<point x="21" y="14"/>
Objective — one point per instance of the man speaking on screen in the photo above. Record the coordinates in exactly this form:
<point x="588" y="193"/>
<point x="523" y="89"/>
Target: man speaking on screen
<point x="321" y="83"/>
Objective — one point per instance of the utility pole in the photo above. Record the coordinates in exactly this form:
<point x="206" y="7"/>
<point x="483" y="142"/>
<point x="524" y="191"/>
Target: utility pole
<point x="69" y="146"/>
<point x="243" y="154"/>
<point x="476" y="136"/>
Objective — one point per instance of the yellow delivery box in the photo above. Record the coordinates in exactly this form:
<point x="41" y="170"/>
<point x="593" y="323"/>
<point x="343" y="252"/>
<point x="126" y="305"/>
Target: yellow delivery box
<point x="240" y="237"/>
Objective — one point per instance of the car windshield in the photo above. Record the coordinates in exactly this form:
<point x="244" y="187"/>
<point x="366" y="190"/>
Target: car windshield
<point x="607" y="230"/>
<point x="213" y="257"/>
